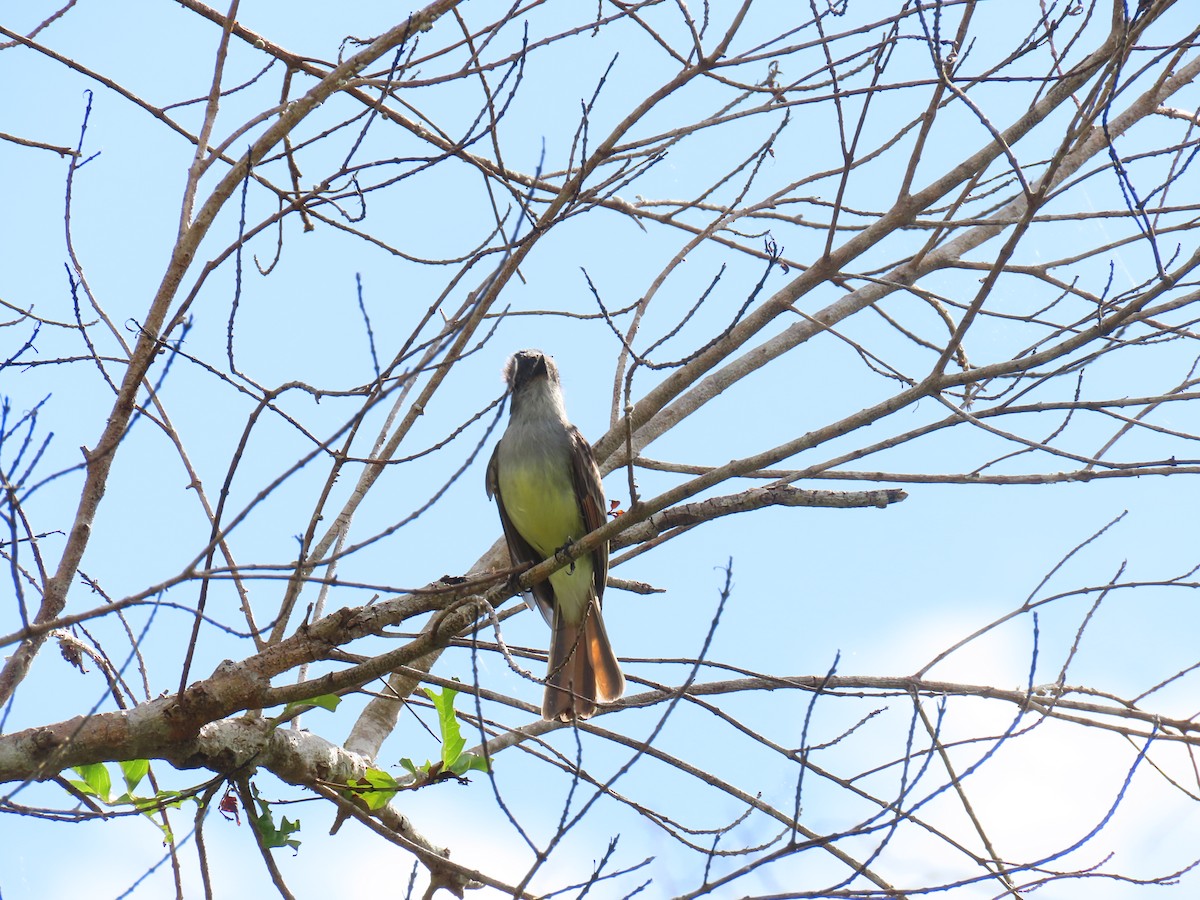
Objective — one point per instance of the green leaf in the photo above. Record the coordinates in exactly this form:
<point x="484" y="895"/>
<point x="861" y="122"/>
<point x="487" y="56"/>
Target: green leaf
<point x="324" y="701"/>
<point x="134" y="771"/>
<point x="151" y="805"/>
<point x="272" y="837"/>
<point x="467" y="762"/>
<point x="96" y="780"/>
<point x="382" y="786"/>
<point x="452" y="739"/>
<point x="380" y="779"/>
<point x="165" y="828"/>
<point x="414" y="769"/>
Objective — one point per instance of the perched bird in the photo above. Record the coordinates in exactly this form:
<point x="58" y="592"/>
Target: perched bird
<point x="547" y="488"/>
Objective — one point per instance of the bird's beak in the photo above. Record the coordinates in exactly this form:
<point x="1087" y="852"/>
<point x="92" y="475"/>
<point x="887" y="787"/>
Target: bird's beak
<point x="528" y="367"/>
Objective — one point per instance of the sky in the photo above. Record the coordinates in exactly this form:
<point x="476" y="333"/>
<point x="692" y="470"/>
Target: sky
<point x="870" y="592"/>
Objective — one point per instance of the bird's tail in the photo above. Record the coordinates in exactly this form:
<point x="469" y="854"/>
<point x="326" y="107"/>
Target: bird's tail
<point x="583" y="668"/>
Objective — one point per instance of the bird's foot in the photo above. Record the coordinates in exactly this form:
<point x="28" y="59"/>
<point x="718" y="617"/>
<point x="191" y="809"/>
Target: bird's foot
<point x="570" y="542"/>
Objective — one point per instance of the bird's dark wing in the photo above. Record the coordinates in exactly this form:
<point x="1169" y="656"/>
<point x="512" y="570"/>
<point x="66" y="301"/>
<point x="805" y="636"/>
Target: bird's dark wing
<point x="590" y="491"/>
<point x="541" y="598"/>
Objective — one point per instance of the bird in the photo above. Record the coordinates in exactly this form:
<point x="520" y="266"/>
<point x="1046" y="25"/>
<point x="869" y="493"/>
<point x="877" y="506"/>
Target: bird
<point x="544" y="478"/>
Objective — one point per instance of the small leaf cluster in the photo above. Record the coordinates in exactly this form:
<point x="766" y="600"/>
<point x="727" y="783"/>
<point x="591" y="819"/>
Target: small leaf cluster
<point x="96" y="781"/>
<point x="376" y="788"/>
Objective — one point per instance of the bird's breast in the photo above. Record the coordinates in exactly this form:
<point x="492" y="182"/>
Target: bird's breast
<point x="539" y="496"/>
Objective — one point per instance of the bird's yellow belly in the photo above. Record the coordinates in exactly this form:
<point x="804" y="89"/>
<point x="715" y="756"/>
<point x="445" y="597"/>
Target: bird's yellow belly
<point x="541" y="505"/>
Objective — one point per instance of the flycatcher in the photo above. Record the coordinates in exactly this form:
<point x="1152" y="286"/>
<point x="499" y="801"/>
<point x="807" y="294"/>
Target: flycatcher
<point x="547" y="488"/>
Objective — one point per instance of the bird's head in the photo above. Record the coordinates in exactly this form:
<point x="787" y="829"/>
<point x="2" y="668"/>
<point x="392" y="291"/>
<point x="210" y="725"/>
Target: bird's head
<point x="527" y="366"/>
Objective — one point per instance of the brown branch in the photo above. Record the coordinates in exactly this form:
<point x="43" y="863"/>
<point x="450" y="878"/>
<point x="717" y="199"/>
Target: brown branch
<point x="99" y="459"/>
